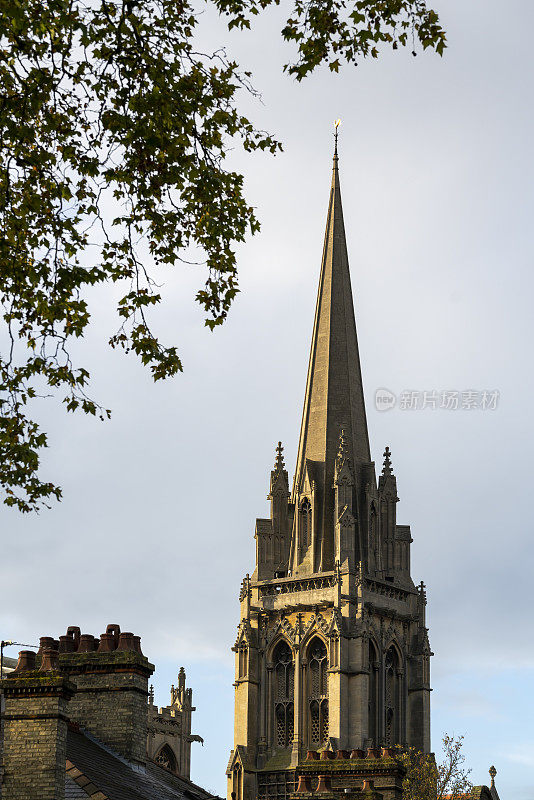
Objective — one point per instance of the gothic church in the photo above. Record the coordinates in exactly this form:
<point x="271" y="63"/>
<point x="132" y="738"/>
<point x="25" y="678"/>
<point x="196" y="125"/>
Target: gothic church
<point x="332" y="653"/>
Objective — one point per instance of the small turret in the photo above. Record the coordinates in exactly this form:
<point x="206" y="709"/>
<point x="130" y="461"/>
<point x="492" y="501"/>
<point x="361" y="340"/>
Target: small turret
<point x="344" y="507"/>
<point x="272" y="535"/>
<point x="393" y="557"/>
<point x="169" y="729"/>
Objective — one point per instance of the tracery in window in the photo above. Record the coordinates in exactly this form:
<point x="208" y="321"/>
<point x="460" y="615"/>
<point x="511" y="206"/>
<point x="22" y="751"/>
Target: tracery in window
<point x="374" y="544"/>
<point x="284" y="679"/>
<point x="392" y="696"/>
<point x="166" y="758"/>
<point x="305" y="523"/>
<point x="243" y="660"/>
<point x="373" y="694"/>
<point x="317" y="684"/>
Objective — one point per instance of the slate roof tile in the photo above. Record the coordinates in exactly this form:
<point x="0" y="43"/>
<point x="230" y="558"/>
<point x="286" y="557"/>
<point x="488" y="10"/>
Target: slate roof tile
<point x="112" y="777"/>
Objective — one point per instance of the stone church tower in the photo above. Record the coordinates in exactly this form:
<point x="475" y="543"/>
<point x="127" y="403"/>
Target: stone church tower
<point x="332" y="652"/>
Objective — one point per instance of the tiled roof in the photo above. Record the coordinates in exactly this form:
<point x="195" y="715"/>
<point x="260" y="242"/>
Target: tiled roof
<point x="73" y="791"/>
<point x="106" y="776"/>
<point x="476" y="793"/>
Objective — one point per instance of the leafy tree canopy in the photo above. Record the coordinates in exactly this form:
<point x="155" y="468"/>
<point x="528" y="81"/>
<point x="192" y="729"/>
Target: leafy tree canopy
<point x="114" y="131"/>
<point x="426" y="780"/>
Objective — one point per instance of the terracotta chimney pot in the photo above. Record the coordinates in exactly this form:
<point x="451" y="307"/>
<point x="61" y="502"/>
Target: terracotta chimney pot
<point x="87" y="643"/>
<point x="126" y="641"/>
<point x="107" y="643"/>
<point x="26" y="661"/>
<point x="66" y="644"/>
<point x="115" y="631"/>
<point x="45" y="642"/>
<point x="74" y="632"/>
<point x="323" y="784"/>
<point x="50" y="660"/>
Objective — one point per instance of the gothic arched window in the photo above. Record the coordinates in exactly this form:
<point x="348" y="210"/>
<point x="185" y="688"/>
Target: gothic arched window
<point x="305" y="523"/>
<point x="238" y="782"/>
<point x="243" y="660"/>
<point x="373" y="694"/>
<point x="374" y="544"/>
<point x="317" y="692"/>
<point x="283" y="693"/>
<point x="392" y="696"/>
<point x="166" y="758"/>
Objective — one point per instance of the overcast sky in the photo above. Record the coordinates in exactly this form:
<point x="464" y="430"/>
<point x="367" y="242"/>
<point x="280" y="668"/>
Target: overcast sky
<point x="156" y="528"/>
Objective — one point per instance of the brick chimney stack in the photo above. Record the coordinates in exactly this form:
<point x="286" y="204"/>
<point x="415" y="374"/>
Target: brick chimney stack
<point x="111" y="678"/>
<point x="35" y="728"/>
<point x="100" y="684"/>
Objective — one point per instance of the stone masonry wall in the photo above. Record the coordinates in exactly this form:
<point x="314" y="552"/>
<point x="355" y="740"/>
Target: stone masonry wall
<point x="113" y="707"/>
<point x="34" y="748"/>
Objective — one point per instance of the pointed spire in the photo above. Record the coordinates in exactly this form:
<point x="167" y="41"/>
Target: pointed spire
<point x="334" y="392"/>
<point x="151" y="694"/>
<point x="386" y="469"/>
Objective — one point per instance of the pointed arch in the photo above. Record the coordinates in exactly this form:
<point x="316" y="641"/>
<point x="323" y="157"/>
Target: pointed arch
<point x="317" y="626"/>
<point x="166" y="758"/>
<point x="278" y="637"/>
<point x="305" y="523"/>
<point x="374" y="537"/>
<point x="282" y="692"/>
<point x="392" y="644"/>
<point x="243" y="659"/>
<point x="373" y="692"/>
<point x="316" y="685"/>
<point x="392" y="694"/>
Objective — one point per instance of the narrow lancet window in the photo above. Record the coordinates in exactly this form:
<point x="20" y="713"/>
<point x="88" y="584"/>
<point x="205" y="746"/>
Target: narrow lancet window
<point x="392" y="697"/>
<point x="305" y="523"/>
<point x="317" y="684"/>
<point x="243" y="660"/>
<point x="373" y="695"/>
<point x="283" y="674"/>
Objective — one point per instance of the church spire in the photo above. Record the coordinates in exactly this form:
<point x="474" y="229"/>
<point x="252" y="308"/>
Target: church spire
<point x="334" y="393"/>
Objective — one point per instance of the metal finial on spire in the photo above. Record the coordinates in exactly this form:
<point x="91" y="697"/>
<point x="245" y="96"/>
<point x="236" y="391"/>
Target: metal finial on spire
<point x="386" y="469"/>
<point x="492" y="772"/>
<point x="279" y="460"/>
<point x="337" y="123"/>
